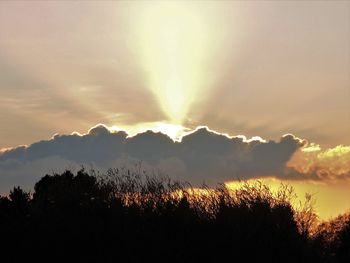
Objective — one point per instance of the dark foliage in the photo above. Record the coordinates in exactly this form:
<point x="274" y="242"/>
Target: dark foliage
<point x="127" y="216"/>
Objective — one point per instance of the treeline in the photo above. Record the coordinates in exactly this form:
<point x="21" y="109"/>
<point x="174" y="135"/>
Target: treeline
<point x="127" y="216"/>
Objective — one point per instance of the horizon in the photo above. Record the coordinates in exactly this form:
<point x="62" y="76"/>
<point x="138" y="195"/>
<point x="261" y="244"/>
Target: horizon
<point x="324" y="191"/>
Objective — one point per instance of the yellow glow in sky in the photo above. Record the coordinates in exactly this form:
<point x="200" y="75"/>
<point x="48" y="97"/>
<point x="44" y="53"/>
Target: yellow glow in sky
<point x="174" y="131"/>
<point x="328" y="198"/>
<point x="173" y="51"/>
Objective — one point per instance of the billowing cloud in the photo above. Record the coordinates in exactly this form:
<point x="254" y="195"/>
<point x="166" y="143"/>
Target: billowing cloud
<point x="201" y="156"/>
<point x="313" y="162"/>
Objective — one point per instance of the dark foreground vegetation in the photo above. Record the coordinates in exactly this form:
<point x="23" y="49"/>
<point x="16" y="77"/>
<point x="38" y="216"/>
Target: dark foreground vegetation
<point x="127" y="216"/>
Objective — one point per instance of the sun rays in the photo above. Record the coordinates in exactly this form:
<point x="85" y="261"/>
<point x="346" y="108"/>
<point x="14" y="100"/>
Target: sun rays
<point x="173" y="50"/>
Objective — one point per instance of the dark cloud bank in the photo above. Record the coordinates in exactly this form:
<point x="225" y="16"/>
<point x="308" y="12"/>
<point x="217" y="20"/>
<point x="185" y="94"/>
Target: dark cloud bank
<point x="201" y="156"/>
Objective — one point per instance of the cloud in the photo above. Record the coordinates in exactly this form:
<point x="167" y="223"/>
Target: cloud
<point x="316" y="163"/>
<point x="202" y="155"/>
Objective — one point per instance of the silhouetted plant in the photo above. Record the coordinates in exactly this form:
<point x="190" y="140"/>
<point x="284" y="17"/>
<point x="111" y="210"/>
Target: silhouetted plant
<point x="126" y="215"/>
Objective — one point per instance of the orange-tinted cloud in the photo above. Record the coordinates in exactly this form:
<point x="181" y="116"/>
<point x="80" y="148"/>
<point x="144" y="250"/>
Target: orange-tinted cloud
<point x="316" y="163"/>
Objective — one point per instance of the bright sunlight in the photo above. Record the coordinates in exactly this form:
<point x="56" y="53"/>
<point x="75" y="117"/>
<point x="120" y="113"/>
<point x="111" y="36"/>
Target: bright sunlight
<point x="173" y="51"/>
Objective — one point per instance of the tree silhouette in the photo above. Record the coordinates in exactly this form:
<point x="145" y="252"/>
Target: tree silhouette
<point x="128" y="216"/>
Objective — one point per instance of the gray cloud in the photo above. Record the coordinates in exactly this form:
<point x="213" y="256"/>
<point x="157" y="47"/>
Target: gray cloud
<point x="201" y="156"/>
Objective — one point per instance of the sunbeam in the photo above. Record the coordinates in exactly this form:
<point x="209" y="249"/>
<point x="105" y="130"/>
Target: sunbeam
<point x="173" y="51"/>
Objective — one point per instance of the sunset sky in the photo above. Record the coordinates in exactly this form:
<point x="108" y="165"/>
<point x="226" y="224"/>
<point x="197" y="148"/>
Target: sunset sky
<point x="253" y="70"/>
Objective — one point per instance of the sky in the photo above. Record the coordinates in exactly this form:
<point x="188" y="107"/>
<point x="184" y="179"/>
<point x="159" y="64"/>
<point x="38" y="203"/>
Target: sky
<point x="253" y="70"/>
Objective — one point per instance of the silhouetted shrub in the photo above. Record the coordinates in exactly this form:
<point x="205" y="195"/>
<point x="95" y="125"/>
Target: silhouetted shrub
<point x="128" y="216"/>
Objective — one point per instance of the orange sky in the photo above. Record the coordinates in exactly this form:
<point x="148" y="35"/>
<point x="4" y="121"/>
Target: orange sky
<point x="330" y="200"/>
<point x="256" y="68"/>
